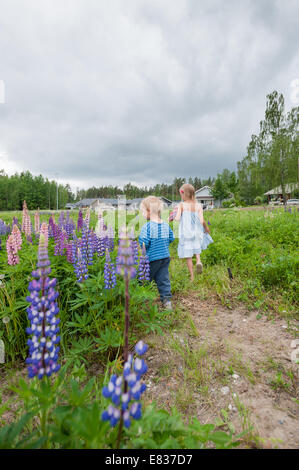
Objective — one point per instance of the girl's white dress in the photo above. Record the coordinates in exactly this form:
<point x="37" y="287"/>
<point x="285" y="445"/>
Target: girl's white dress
<point x="192" y="237"/>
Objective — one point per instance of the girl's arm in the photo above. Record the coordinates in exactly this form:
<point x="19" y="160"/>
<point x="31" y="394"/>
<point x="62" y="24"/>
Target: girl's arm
<point x="200" y="214"/>
<point x="179" y="212"/>
<point x="207" y="230"/>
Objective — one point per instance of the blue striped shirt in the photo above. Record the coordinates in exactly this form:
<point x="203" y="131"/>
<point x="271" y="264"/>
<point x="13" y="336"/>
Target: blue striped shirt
<point x="156" y="237"/>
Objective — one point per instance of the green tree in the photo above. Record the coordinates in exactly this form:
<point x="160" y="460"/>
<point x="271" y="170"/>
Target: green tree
<point x="219" y="190"/>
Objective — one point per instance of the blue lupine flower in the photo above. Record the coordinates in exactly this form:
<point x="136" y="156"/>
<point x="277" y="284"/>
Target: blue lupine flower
<point x="80" y="221"/>
<point x="135" y="251"/>
<point x="109" y="272"/>
<point x="110" y="239"/>
<point x="43" y="345"/>
<point x="144" y="266"/>
<point x="80" y="265"/>
<point x="126" y="390"/>
<point x="141" y="348"/>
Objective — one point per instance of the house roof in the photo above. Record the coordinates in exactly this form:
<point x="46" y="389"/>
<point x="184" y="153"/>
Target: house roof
<point x="288" y="189"/>
<point x="205" y="190"/>
<point x="85" y="202"/>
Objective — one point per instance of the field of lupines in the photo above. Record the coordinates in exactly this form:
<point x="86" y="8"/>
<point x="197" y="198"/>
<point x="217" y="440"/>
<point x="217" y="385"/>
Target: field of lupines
<point x="72" y="294"/>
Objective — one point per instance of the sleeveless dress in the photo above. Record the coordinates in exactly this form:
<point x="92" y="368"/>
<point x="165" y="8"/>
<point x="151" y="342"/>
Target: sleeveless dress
<point x="192" y="237"/>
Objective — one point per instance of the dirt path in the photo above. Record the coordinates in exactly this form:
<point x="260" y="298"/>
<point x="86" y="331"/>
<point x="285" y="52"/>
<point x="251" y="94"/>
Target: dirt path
<point x="230" y="366"/>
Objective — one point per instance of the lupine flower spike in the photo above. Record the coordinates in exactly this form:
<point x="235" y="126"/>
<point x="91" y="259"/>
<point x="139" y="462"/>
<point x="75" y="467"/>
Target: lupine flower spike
<point x="144" y="266"/>
<point x="80" y="221"/>
<point x="109" y="272"/>
<point x="125" y="391"/>
<point x="43" y="345"/>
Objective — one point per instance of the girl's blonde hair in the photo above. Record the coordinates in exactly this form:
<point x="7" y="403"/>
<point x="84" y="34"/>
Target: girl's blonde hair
<point x="153" y="204"/>
<point x="188" y="191"/>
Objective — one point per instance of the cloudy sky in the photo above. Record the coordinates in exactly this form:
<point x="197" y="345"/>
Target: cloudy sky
<point x="100" y="92"/>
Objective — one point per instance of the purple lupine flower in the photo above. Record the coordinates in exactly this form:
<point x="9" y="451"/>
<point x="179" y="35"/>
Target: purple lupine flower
<point x="144" y="266"/>
<point x="102" y="236"/>
<point x="87" y="218"/>
<point x="125" y="391"/>
<point x="109" y="272"/>
<point x="135" y="251"/>
<point x="90" y="247"/>
<point x="101" y="245"/>
<point x="70" y="227"/>
<point x="60" y="242"/>
<point x="80" y="221"/>
<point x="80" y="265"/>
<point x="61" y="220"/>
<point x="43" y="345"/>
<point x="84" y="243"/>
<point x="69" y="251"/>
<point x="51" y="227"/>
<point x="209" y="222"/>
<point x="110" y="238"/>
<point x="125" y="257"/>
<point x="5" y="228"/>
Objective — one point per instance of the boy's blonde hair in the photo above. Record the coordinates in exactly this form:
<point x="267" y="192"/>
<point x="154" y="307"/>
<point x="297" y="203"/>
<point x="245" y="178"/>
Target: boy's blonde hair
<point x="153" y="204"/>
<point x="188" y="190"/>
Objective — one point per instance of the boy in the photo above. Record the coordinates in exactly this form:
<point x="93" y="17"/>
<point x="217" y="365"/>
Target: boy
<point x="156" y="236"/>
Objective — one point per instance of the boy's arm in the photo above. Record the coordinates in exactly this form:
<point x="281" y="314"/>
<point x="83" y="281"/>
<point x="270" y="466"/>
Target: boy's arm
<point x="171" y="236"/>
<point x="143" y="238"/>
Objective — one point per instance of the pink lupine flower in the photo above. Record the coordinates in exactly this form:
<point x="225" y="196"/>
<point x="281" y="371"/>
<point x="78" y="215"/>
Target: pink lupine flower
<point x="27" y="225"/>
<point x="12" y="250"/>
<point x="87" y="218"/>
<point x="17" y="236"/>
<point x="36" y="221"/>
<point x="45" y="231"/>
<point x="24" y="215"/>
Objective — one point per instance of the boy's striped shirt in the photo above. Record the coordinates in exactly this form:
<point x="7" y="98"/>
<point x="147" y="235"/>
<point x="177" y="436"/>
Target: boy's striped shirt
<point x="156" y="237"/>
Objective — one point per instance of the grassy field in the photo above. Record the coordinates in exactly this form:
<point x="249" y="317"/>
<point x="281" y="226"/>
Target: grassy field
<point x="220" y="328"/>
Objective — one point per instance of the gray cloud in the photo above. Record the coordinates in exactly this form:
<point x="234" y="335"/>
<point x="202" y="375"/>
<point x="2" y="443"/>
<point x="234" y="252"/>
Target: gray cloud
<point x="106" y="93"/>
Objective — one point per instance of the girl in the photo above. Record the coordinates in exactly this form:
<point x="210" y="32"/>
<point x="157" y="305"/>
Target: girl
<point x="193" y="231"/>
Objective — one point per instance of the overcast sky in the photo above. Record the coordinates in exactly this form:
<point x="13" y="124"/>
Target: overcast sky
<point x="106" y="92"/>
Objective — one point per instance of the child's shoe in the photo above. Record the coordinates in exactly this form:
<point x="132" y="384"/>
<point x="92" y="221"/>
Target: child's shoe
<point x="199" y="268"/>
<point x="167" y="304"/>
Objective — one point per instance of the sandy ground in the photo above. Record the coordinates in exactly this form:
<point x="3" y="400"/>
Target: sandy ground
<point x="263" y="394"/>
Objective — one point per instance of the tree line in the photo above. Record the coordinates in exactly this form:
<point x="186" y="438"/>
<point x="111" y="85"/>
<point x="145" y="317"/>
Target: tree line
<point x="37" y="191"/>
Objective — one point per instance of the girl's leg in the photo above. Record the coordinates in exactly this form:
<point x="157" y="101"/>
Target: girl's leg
<point x="198" y="264"/>
<point x="190" y="267"/>
<point x="198" y="259"/>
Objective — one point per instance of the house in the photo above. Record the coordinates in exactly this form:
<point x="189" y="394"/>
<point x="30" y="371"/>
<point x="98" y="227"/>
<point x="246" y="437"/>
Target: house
<point x="134" y="204"/>
<point x="205" y="197"/>
<point x="276" y="193"/>
<point x="70" y="206"/>
<point x="103" y="204"/>
<point x="166" y="202"/>
<point x="84" y="203"/>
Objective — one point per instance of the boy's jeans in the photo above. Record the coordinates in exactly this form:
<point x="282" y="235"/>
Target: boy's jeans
<point x="159" y="273"/>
